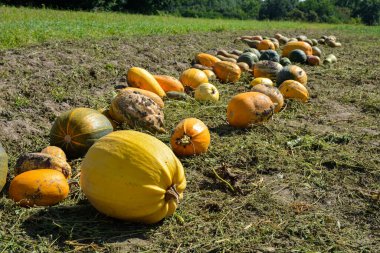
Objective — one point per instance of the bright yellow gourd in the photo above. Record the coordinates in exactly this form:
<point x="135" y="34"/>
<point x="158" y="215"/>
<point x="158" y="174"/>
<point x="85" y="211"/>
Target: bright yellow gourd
<point x="142" y="79"/>
<point x="132" y="176"/>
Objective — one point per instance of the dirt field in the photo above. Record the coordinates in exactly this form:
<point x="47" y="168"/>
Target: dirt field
<point x="307" y="181"/>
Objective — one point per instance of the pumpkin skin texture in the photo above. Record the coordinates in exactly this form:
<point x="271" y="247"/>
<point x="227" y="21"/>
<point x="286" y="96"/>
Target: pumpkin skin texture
<point x="298" y="55"/>
<point x="132" y="176"/>
<point x="291" y="89"/>
<point x="227" y="71"/>
<point x="207" y="60"/>
<point x="142" y="79"/>
<point x="253" y="50"/>
<point x="290" y="46"/>
<point x="169" y="83"/>
<point x="249" y="58"/>
<point x="269" y="55"/>
<point x="35" y="161"/>
<point x="273" y="93"/>
<point x="266" y="45"/>
<point x="43" y="187"/>
<point x="292" y="72"/>
<point x="147" y="93"/>
<point x="206" y="92"/>
<point x="3" y="167"/>
<point x="246" y="109"/>
<point x="76" y="130"/>
<point x="268" y="69"/>
<point x="190" y="137"/>
<point x="261" y="80"/>
<point x="210" y="74"/>
<point x="54" y="151"/>
<point x="193" y="78"/>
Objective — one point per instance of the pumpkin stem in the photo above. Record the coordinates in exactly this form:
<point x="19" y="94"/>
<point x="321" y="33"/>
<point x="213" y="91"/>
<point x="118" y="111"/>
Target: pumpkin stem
<point x="185" y="140"/>
<point x="171" y="193"/>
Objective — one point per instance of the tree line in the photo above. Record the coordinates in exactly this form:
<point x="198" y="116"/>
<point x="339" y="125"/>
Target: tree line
<point x="331" y="11"/>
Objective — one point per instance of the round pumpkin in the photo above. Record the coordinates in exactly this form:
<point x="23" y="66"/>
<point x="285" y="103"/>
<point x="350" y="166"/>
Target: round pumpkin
<point x="76" y="130"/>
<point x="207" y="60"/>
<point x="265" y="45"/>
<point x="261" y="80"/>
<point x="54" y="151"/>
<point x="292" y="72"/>
<point x="3" y="167"/>
<point x="132" y="176"/>
<point x="313" y="60"/>
<point x="244" y="67"/>
<point x="316" y="51"/>
<point x="249" y="58"/>
<point x="190" y="137"/>
<point x="253" y="50"/>
<point x="297" y="55"/>
<point x="272" y="92"/>
<point x="269" y="55"/>
<point x="43" y="187"/>
<point x="246" y="109"/>
<point x="169" y="83"/>
<point x="291" y="89"/>
<point x="227" y="71"/>
<point x="268" y="69"/>
<point x="147" y="93"/>
<point x="206" y="92"/>
<point x="210" y="74"/>
<point x="193" y="78"/>
<point x="285" y="61"/>
<point x="142" y="79"/>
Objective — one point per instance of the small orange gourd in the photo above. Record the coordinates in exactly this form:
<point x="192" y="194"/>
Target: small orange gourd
<point x="266" y="45"/>
<point x="227" y="71"/>
<point x="169" y="83"/>
<point x="190" y="137"/>
<point x="42" y="187"/>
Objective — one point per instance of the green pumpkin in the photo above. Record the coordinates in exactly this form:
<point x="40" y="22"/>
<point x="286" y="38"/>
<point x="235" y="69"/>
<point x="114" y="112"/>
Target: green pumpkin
<point x="285" y="61"/>
<point x="253" y="50"/>
<point x="291" y="72"/>
<point x="298" y="55"/>
<point x="75" y="131"/>
<point x="249" y="58"/>
<point x="269" y="55"/>
<point x="3" y="167"/>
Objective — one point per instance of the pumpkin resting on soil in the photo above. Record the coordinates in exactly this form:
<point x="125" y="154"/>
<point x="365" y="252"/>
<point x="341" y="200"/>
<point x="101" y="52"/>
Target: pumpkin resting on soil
<point x="206" y="92"/>
<point x="193" y="78"/>
<point x="3" y="167"/>
<point x="190" y="137"/>
<point x="227" y="71"/>
<point x="137" y="110"/>
<point x="291" y="89"/>
<point x="132" y="176"/>
<point x="55" y="151"/>
<point x="76" y="130"/>
<point x="246" y="109"/>
<point x="142" y="79"/>
<point x="43" y="187"/>
<point x="292" y="72"/>
<point x="272" y="92"/>
<point x="169" y="83"/>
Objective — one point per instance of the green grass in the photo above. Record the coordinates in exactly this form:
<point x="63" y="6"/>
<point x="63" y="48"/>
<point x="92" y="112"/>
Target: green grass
<point x="24" y="26"/>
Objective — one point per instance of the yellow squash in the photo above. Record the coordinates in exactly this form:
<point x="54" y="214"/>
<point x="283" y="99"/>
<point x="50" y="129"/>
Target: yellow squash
<point x="291" y="89"/>
<point x="132" y="176"/>
<point x="142" y="79"/>
<point x="3" y="167"/>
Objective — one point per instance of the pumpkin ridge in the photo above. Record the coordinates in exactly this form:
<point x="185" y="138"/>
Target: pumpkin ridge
<point x="81" y="134"/>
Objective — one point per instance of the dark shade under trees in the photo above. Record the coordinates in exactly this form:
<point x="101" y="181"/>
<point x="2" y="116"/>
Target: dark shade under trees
<point x="334" y="11"/>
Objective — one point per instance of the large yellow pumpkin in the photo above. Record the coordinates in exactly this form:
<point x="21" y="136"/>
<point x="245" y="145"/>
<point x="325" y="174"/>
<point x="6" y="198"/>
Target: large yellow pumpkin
<point x="193" y="78"/>
<point x="290" y="46"/>
<point x="142" y="79"/>
<point x="3" y="167"/>
<point x="132" y="176"/>
<point x="291" y="89"/>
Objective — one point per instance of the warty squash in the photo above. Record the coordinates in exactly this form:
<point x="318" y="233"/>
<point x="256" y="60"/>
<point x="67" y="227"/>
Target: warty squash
<point x="132" y="176"/>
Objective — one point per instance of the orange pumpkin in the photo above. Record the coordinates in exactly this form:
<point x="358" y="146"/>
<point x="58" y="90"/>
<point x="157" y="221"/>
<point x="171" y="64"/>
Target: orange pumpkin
<point x="227" y="71"/>
<point x="54" y="151"/>
<point x="246" y="109"/>
<point x="290" y="46"/>
<point x="193" y="78"/>
<point x="169" y="83"/>
<point x="190" y="137"/>
<point x="43" y="187"/>
<point x="272" y="92"/>
<point x="291" y="72"/>
<point x="291" y="89"/>
<point x="266" y="45"/>
<point x="207" y="60"/>
<point x="147" y="93"/>
<point x="140" y="78"/>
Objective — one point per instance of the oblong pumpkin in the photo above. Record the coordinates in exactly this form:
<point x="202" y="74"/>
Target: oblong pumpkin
<point x="190" y="137"/>
<point x="35" y="161"/>
<point x="132" y="176"/>
<point x="3" y="167"/>
<point x="42" y="187"/>
<point x="261" y="80"/>
<point x="193" y="78"/>
<point x="141" y="78"/>
<point x="290" y="46"/>
<point x="76" y="130"/>
<point x="210" y="74"/>
<point x="268" y="69"/>
<point x="266" y="45"/>
<point x="55" y="151"/>
<point x="272" y="92"/>
<point x="227" y="71"/>
<point x="207" y="60"/>
<point x="291" y="89"/>
<point x="246" y="109"/>
<point x="249" y="58"/>
<point x="147" y="93"/>
<point x="169" y="83"/>
<point x="292" y="72"/>
<point x="206" y="92"/>
<point x="313" y="60"/>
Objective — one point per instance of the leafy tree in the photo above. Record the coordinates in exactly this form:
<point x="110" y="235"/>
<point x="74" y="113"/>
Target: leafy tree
<point x="276" y="9"/>
<point x="369" y="11"/>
